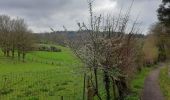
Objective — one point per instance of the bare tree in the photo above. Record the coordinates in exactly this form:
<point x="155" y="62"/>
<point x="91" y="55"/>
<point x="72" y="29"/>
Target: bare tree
<point x="23" y="38"/>
<point x="14" y="36"/>
<point x="5" y="34"/>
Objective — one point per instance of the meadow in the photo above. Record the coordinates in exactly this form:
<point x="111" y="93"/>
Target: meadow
<point x="137" y="84"/>
<point x="43" y="76"/>
<point x="164" y="81"/>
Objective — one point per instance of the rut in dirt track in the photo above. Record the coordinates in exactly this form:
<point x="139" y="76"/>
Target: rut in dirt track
<point x="151" y="87"/>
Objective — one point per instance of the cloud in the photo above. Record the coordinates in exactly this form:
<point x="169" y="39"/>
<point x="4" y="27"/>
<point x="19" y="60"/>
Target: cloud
<point x="42" y="14"/>
<point x="107" y="5"/>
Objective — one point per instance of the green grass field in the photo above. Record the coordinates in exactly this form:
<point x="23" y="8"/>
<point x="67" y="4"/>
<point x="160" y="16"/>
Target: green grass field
<point x="164" y="81"/>
<point x="43" y="76"/>
<point x="137" y="84"/>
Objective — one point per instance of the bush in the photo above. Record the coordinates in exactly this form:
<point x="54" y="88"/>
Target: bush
<point x="54" y="49"/>
<point x="150" y="50"/>
<point x="48" y="48"/>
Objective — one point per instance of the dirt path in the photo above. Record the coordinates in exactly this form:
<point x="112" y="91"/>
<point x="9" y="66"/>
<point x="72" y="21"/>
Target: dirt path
<point x="151" y="87"/>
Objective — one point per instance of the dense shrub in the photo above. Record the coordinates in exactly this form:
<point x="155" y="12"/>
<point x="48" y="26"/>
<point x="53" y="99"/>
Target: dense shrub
<point x="54" y="49"/>
<point x="150" y="50"/>
<point x="48" y="48"/>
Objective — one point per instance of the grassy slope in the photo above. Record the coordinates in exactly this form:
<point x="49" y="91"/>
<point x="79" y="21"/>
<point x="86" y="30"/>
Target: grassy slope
<point x="164" y="81"/>
<point x="44" y="75"/>
<point x="137" y="84"/>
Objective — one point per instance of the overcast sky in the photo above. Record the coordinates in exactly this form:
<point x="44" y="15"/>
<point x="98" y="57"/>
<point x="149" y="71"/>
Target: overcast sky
<point x="42" y="14"/>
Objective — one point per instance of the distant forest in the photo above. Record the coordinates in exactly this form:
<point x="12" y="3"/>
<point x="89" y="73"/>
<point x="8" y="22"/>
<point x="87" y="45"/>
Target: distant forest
<point x="60" y="37"/>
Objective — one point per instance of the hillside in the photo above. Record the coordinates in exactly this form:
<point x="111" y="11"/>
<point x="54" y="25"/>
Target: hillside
<point x="46" y="75"/>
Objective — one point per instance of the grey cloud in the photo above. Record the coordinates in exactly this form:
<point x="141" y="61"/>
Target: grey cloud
<point x="40" y="14"/>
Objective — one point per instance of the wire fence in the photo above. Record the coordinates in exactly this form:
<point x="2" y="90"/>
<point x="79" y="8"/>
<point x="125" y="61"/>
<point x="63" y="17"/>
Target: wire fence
<point x="40" y="86"/>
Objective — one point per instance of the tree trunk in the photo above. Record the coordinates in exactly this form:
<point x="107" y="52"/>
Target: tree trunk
<point x="122" y="87"/>
<point x="107" y="84"/>
<point x="114" y="89"/>
<point x="96" y="84"/>
<point x="13" y="53"/>
<point x="23" y="56"/>
<point x="96" y="80"/>
<point x="84" y="86"/>
<point x="90" y="90"/>
<point x="4" y="52"/>
<point x="19" y="55"/>
<point x="7" y="53"/>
